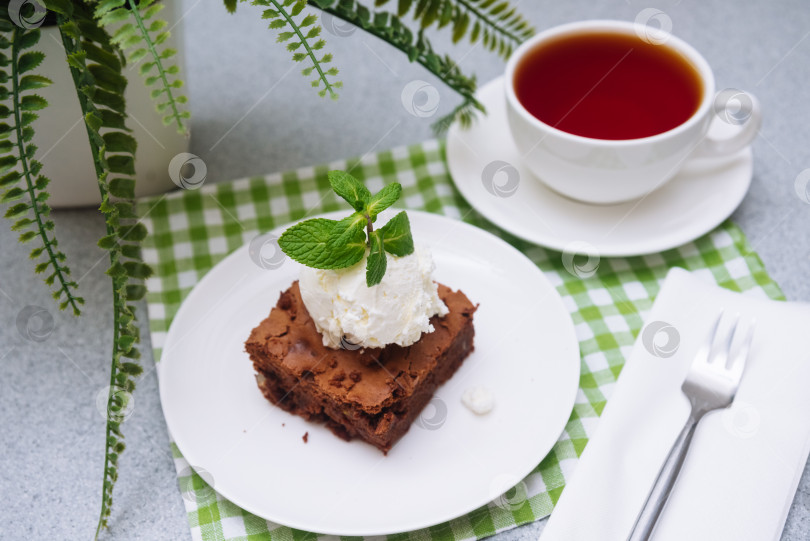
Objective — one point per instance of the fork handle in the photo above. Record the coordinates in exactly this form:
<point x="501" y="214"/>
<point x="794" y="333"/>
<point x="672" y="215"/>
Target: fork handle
<point x="659" y="494"/>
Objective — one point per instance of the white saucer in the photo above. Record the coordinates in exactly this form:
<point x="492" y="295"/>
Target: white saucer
<point x="693" y="203"/>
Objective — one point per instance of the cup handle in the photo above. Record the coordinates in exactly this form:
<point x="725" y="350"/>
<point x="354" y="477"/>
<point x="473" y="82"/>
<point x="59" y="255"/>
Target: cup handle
<point x="732" y="107"/>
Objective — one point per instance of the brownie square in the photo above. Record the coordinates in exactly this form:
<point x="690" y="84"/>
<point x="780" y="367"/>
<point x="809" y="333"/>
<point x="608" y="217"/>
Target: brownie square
<point x="372" y="394"/>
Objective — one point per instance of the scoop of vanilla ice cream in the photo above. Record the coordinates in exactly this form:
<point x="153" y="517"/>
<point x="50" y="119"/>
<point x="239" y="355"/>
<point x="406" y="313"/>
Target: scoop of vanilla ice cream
<point x="395" y="311"/>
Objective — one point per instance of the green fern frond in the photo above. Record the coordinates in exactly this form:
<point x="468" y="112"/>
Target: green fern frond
<point x="20" y="179"/>
<point x="96" y="71"/>
<point x="391" y="29"/>
<point x="301" y="33"/>
<point x="464" y="114"/>
<point x="141" y="35"/>
<point x="499" y="25"/>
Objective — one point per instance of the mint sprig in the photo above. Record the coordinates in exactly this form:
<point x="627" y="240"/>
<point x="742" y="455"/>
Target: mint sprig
<point x="339" y="244"/>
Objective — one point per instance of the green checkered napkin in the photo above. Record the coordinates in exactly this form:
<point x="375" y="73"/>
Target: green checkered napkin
<point x="191" y="231"/>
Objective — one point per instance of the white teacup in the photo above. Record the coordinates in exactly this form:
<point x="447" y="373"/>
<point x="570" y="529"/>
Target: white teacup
<point x="611" y="171"/>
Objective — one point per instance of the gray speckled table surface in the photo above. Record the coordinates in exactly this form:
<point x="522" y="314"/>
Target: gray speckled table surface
<point x="253" y="114"/>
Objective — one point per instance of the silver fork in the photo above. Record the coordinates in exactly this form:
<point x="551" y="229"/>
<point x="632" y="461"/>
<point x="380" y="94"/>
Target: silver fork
<point x="711" y="384"/>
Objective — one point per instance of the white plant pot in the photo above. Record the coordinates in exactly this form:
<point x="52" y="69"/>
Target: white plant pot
<point x="61" y="136"/>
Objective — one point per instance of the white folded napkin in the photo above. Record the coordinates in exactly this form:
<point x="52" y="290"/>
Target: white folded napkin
<point x="745" y="462"/>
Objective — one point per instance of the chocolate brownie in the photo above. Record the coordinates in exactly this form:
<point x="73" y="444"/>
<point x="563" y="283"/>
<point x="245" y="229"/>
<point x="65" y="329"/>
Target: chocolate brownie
<point x="370" y="394"/>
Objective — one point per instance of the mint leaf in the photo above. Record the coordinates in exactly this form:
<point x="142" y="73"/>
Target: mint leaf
<point x="348" y="239"/>
<point x="350" y="189"/>
<point x="346" y="230"/>
<point x="397" y="235"/>
<point x="354" y="249"/>
<point x="307" y="243"/>
<point x="376" y="263"/>
<point x="384" y="199"/>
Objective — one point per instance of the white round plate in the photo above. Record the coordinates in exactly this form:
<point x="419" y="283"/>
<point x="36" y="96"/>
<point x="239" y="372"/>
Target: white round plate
<point x="449" y="463"/>
<point x="698" y="199"/>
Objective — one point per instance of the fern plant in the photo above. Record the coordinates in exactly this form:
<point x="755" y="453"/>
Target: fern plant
<point x="142" y="43"/>
<point x="21" y="179"/>
<point x="99" y="37"/>
<point x="302" y="38"/>
<point x="499" y="25"/>
<point x="417" y="47"/>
